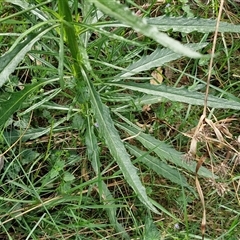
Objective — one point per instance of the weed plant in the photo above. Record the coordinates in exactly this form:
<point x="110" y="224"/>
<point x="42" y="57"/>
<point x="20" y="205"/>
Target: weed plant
<point x="99" y="107"/>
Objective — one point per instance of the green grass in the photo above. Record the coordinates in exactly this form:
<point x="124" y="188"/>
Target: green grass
<point x="90" y="149"/>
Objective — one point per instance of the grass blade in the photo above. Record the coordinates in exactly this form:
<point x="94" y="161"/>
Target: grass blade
<point x="107" y="198"/>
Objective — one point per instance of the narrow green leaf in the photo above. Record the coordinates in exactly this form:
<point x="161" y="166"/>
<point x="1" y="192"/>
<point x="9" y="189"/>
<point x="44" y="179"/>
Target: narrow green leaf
<point x="116" y="146"/>
<point x="156" y="59"/>
<point x="92" y="147"/>
<point x="163" y="150"/>
<point x="123" y="14"/>
<point x="108" y="199"/>
<point x="147" y="99"/>
<point x="187" y="25"/>
<point x="10" y="60"/>
<point x="165" y="211"/>
<point x="69" y="29"/>
<point x="30" y="7"/>
<point x="71" y="37"/>
<point x="14" y="102"/>
<point x="111" y="211"/>
<point x="160" y="167"/>
<point x="35" y="133"/>
<point x="179" y="95"/>
<point x="7" y="108"/>
<point x="53" y="93"/>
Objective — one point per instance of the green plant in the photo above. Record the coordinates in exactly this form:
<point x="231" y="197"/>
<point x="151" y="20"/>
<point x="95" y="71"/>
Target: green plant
<point x="85" y="67"/>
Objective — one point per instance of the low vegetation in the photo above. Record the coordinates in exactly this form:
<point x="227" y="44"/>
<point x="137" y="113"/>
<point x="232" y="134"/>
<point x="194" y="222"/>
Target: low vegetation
<point x="119" y="120"/>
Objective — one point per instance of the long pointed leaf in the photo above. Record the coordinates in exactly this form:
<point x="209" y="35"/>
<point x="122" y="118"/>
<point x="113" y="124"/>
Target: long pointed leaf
<point x="179" y="95"/>
<point x="156" y="59"/>
<point x="187" y="25"/>
<point x="116" y="146"/>
<point x="163" y="150"/>
<point x="8" y="107"/>
<point x="10" y="60"/>
<point x="124" y="15"/>
<point x="27" y="6"/>
<point x="160" y="167"/>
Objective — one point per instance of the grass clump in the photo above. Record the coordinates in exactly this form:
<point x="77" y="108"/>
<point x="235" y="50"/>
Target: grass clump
<point x="96" y="118"/>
